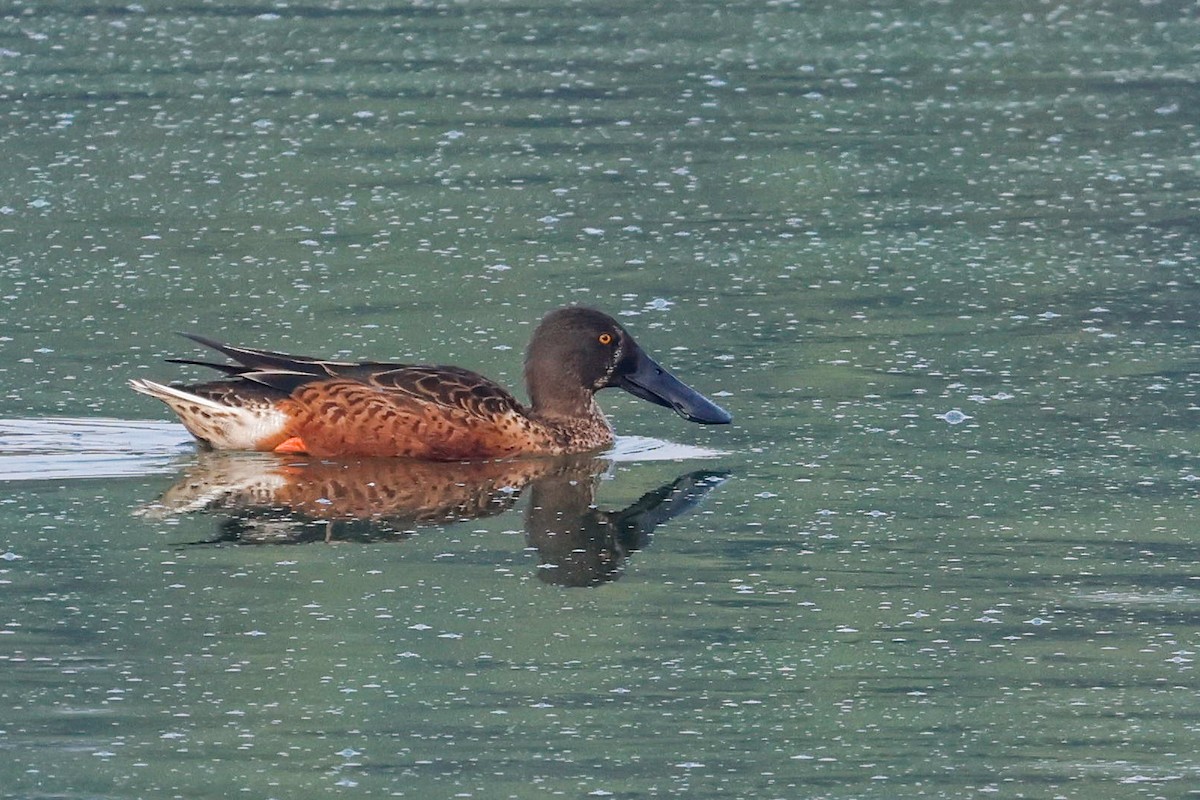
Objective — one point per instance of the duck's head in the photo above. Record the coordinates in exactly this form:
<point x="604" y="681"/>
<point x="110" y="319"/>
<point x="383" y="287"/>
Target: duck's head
<point x="575" y="352"/>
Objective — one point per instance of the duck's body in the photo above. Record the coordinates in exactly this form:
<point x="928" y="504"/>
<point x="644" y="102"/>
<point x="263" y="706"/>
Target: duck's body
<point x="272" y="401"/>
<point x="390" y="410"/>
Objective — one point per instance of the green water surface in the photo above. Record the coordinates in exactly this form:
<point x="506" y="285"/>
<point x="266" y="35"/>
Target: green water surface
<point x="938" y="259"/>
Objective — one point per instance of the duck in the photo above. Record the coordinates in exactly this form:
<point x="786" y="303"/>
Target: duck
<point x="270" y="401"/>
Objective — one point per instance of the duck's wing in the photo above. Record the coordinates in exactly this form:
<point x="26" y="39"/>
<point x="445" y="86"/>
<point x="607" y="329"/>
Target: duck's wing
<point x="446" y="387"/>
<point x="250" y="359"/>
<point x="451" y="388"/>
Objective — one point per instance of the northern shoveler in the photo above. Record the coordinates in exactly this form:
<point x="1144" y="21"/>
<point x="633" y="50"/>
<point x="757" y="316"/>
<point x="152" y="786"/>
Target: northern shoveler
<point x="296" y="404"/>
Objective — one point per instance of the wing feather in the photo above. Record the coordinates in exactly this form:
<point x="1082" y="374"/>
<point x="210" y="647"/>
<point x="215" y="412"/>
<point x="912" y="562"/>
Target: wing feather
<point x="449" y="387"/>
<point x="411" y="386"/>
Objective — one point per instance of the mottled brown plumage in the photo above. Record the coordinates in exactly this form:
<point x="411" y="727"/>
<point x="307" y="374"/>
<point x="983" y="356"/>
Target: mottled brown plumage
<point x="272" y="401"/>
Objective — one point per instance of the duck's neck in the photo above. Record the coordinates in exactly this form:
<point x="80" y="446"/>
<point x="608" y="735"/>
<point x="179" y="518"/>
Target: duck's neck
<point x="563" y="403"/>
<point x="571" y="417"/>
<point x="564" y="407"/>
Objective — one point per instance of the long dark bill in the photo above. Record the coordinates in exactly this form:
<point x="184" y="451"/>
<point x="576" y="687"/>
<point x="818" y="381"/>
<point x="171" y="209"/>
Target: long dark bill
<point x="650" y="381"/>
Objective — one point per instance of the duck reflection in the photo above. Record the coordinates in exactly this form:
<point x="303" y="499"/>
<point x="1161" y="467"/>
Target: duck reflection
<point x="269" y="499"/>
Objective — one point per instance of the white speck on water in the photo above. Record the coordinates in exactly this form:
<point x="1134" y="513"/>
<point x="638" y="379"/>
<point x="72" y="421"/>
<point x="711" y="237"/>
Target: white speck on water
<point x="954" y="417"/>
<point x="1150" y="779"/>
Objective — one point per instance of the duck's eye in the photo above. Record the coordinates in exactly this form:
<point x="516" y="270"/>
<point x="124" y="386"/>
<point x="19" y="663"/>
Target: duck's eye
<point x="605" y="338"/>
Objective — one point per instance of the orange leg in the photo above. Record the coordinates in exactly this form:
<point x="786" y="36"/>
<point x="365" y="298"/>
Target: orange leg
<point x="292" y="445"/>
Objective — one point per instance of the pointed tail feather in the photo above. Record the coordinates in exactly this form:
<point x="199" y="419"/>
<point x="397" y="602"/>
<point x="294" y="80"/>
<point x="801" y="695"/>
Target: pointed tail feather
<point x="252" y="357"/>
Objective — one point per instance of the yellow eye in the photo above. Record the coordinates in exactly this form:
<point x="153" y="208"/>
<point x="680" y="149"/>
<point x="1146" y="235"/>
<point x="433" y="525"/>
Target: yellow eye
<point x="605" y="338"/>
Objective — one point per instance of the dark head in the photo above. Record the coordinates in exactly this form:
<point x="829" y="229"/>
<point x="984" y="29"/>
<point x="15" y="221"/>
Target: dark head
<point x="575" y="352"/>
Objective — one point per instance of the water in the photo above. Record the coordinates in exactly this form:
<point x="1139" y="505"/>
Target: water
<point x="939" y="260"/>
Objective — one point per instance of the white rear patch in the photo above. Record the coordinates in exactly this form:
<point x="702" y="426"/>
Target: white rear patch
<point x="225" y="427"/>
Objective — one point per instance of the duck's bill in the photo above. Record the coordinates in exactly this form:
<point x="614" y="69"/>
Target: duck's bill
<point x="651" y="382"/>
